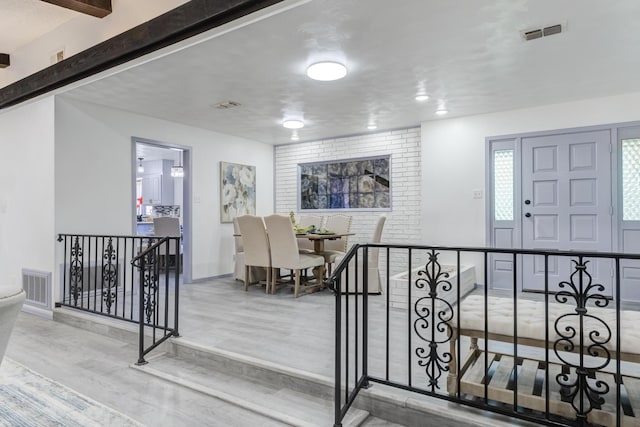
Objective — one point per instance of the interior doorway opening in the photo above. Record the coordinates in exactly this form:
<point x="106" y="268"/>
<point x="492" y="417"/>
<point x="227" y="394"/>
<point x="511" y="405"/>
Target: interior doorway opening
<point x="161" y="188"/>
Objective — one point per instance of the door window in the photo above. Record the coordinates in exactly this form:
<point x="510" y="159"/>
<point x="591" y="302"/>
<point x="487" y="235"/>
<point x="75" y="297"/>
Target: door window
<point x="631" y="179"/>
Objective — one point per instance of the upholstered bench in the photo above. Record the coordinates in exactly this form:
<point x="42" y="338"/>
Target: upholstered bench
<point x="531" y="331"/>
<point x="11" y="300"/>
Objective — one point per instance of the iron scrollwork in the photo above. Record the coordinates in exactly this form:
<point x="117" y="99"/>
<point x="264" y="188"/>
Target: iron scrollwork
<point x="109" y="275"/>
<point x="76" y="270"/>
<point x="150" y="284"/>
<point x="581" y="388"/>
<point x="434" y="314"/>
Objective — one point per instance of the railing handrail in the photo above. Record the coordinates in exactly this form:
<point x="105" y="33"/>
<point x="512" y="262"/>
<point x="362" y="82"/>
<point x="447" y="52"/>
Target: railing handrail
<point x="114" y="236"/>
<point x="510" y="251"/>
<point x="150" y="249"/>
<point x="332" y="279"/>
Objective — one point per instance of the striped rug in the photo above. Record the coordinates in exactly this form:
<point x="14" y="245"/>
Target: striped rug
<point x="29" y="399"/>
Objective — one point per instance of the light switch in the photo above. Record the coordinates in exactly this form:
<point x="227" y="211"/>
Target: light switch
<point x="477" y="194"/>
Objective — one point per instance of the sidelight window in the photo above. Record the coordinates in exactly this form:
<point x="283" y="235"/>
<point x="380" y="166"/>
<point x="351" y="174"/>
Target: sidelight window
<point x="503" y="185"/>
<point x="631" y="179"/>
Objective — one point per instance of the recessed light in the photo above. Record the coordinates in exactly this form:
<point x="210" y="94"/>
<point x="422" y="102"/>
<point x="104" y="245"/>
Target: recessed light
<point x="326" y="71"/>
<point x="293" y="124"/>
<point x="422" y="97"/>
<point x="441" y="112"/>
<point x="372" y="126"/>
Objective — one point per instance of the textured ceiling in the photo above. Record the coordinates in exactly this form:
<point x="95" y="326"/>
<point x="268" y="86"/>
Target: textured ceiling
<point x="22" y="21"/>
<point x="466" y="54"/>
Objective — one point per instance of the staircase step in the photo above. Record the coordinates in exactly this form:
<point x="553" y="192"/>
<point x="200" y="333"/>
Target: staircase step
<point x="278" y="403"/>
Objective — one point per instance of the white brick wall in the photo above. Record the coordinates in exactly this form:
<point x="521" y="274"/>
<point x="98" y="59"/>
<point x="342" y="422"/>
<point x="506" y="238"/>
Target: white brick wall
<point x="403" y="223"/>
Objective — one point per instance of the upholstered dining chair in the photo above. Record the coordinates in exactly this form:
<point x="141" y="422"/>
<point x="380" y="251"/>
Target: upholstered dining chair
<point x="238" y="256"/>
<point x="374" y="282"/>
<point x="338" y="223"/>
<point x="285" y="252"/>
<point x="168" y="226"/>
<point x="306" y="220"/>
<point x="256" y="247"/>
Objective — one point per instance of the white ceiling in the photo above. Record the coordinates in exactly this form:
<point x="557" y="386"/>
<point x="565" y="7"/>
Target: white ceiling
<point x="22" y="21"/>
<point x="467" y="54"/>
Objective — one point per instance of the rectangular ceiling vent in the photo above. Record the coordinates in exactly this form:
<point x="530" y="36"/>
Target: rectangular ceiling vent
<point x="537" y="33"/>
<point x="225" y="105"/>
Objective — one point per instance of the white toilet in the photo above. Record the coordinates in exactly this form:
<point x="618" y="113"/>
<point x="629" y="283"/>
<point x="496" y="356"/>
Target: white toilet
<point x="11" y="300"/>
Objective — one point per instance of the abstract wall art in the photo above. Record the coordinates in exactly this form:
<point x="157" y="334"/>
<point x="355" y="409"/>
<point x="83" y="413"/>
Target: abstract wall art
<point x="346" y="184"/>
<point x="237" y="191"/>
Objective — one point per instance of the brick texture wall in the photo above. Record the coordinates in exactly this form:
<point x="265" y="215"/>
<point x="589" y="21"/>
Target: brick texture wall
<point x="403" y="221"/>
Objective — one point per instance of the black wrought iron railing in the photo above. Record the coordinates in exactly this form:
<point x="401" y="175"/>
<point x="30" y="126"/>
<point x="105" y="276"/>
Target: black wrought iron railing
<point x="131" y="278"/>
<point x="555" y="344"/>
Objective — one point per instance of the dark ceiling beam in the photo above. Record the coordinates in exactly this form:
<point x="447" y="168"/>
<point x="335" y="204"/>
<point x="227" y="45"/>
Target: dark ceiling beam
<point x="190" y="19"/>
<point x="4" y="60"/>
<point x="97" y="8"/>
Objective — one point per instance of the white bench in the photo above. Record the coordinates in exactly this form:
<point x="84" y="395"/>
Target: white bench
<point x="531" y="332"/>
<point x="11" y="300"/>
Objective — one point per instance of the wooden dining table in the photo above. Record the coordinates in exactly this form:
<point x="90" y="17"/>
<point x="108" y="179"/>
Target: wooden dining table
<point x="319" y="239"/>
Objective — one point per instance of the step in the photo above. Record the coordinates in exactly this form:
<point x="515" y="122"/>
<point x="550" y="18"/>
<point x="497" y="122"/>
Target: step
<point x="387" y="403"/>
<point x="278" y="403"/>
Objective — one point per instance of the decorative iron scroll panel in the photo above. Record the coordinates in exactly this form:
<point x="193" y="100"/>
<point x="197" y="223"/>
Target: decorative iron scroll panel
<point x="585" y="334"/>
<point x="434" y="315"/>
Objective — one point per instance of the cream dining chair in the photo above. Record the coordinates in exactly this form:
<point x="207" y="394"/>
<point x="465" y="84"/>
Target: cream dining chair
<point x="168" y="226"/>
<point x="306" y="245"/>
<point x="338" y="223"/>
<point x="238" y="256"/>
<point x="285" y="252"/>
<point x="256" y="247"/>
<point x="374" y="283"/>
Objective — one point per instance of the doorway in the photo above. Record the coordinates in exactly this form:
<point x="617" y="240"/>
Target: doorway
<point x="566" y="205"/>
<point x="162" y="187"/>
<point x="551" y="191"/>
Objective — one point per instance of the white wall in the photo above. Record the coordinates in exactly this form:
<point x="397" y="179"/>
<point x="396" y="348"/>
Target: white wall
<point x="27" y="234"/>
<point x="403" y="220"/>
<point x="94" y="176"/>
<point x="453" y="159"/>
<point x="126" y="14"/>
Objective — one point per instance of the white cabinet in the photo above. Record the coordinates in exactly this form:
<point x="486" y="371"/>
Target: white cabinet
<point x="152" y="189"/>
<point x="157" y="183"/>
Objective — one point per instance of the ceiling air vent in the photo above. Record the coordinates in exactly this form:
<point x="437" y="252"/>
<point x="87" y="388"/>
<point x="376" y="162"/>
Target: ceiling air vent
<point x="225" y="105"/>
<point x="536" y="33"/>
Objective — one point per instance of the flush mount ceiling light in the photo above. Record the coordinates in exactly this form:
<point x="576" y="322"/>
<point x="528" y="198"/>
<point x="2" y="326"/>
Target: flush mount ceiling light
<point x="326" y="71"/>
<point x="441" y="111"/>
<point x="421" y="97"/>
<point x="372" y="126"/>
<point x="293" y="124"/>
<point x="140" y="167"/>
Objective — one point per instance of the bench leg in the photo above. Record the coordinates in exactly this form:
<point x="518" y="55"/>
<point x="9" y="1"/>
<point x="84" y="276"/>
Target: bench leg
<point x="453" y="364"/>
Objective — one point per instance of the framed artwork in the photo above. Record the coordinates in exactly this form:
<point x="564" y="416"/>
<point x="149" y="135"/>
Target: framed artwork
<point x="345" y="184"/>
<point x="237" y="191"/>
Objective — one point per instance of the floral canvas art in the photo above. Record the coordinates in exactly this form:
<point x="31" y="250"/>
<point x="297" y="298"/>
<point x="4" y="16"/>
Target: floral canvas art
<point x="238" y="191"/>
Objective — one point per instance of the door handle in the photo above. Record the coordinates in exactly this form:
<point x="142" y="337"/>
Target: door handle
<point x="528" y="215"/>
<point x="527" y="202"/>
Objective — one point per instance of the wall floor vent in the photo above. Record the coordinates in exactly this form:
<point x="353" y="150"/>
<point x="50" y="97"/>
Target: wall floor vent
<point x="37" y="286"/>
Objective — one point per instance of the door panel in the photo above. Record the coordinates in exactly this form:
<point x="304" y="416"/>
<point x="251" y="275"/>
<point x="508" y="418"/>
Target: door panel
<point x="566" y="189"/>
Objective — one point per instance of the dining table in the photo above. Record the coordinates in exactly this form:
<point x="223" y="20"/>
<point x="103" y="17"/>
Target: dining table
<point x="318" y="239"/>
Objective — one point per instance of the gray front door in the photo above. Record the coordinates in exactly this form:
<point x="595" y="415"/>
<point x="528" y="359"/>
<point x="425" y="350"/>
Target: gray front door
<point x="566" y="195"/>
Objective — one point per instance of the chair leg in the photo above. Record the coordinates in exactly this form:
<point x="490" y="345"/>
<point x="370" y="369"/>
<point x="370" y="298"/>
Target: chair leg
<point x="319" y="273"/>
<point x="297" y="285"/>
<point x="268" y="285"/>
<point x="246" y="277"/>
